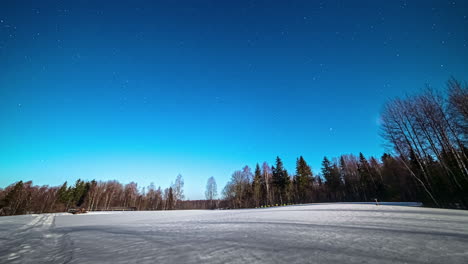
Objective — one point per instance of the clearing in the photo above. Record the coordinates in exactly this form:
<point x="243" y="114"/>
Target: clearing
<point x="316" y="233"/>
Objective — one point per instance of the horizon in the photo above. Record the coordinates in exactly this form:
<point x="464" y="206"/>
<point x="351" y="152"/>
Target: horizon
<point x="145" y="91"/>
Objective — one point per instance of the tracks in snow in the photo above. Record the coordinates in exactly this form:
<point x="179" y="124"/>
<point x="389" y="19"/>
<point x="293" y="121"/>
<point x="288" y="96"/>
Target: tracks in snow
<point x="33" y="241"/>
<point x="43" y="221"/>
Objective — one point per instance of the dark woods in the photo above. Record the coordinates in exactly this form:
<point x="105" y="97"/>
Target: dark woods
<point x="426" y="135"/>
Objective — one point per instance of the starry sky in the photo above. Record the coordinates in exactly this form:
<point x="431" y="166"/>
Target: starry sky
<point x="144" y="90"/>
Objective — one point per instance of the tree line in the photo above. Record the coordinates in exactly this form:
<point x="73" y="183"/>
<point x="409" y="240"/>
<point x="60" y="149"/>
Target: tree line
<point x="24" y="197"/>
<point x="427" y="138"/>
<point x="427" y="161"/>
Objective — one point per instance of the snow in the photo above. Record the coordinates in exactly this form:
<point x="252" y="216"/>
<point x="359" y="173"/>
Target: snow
<point x="316" y="233"/>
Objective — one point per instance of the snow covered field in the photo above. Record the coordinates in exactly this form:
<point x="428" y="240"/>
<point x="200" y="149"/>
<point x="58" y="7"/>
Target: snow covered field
<point x="320" y="233"/>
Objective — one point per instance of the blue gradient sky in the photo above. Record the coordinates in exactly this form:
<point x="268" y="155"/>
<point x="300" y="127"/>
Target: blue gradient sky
<point x="141" y="91"/>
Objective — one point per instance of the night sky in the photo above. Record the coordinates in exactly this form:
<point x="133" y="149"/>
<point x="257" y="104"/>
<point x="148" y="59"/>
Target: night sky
<point x="144" y="90"/>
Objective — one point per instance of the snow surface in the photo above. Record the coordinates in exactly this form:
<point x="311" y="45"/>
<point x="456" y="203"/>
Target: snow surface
<point x="316" y="233"/>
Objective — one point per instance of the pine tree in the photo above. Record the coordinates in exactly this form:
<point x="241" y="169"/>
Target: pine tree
<point x="79" y="192"/>
<point x="257" y="186"/>
<point x="332" y="178"/>
<point x="303" y="180"/>
<point x="366" y="180"/>
<point x="13" y="201"/>
<point x="65" y="195"/>
<point x="281" y="181"/>
<point x="170" y="199"/>
<point x="62" y="193"/>
<point x="84" y="194"/>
